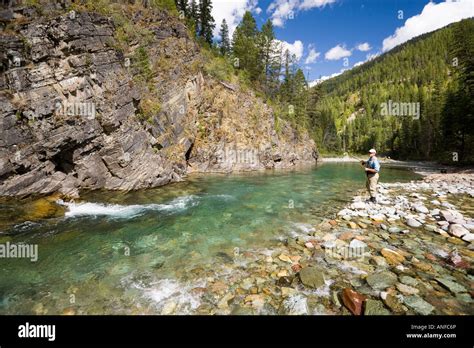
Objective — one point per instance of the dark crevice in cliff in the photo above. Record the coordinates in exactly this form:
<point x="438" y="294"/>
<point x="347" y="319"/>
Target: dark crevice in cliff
<point x="63" y="161"/>
<point x="188" y="153"/>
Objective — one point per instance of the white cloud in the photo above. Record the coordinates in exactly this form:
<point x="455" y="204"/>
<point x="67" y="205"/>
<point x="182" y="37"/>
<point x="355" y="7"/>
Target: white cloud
<point x="312" y="55"/>
<point x="337" y="52"/>
<point x="258" y="10"/>
<point x="232" y="11"/>
<point x="295" y="48"/>
<point x="363" y="47"/>
<point x="282" y="10"/>
<point x="432" y="17"/>
<point x="309" y="4"/>
<point x="324" y="78"/>
<point x="358" y="63"/>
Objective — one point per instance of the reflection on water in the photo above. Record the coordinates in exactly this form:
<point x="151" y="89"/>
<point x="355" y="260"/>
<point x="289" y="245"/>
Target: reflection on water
<point x="127" y="253"/>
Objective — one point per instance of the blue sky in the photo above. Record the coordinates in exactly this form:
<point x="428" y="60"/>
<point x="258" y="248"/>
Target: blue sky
<point x="329" y="36"/>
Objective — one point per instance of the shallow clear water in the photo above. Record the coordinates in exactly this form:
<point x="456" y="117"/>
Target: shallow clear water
<point x="125" y="253"/>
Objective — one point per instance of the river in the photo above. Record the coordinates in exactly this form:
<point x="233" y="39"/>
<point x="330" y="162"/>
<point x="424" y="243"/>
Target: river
<point x="127" y="253"/>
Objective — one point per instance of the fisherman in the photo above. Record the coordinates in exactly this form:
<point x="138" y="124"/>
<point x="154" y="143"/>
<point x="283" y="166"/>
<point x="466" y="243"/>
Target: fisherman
<point x="372" y="169"/>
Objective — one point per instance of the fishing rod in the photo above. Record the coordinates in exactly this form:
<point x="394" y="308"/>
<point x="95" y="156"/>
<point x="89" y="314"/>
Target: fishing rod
<point x="358" y="159"/>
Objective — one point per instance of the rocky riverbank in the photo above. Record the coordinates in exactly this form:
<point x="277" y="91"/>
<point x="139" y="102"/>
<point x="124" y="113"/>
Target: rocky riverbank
<point x="412" y="253"/>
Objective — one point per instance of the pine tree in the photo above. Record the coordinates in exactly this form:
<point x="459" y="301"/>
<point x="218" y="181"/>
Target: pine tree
<point x="244" y="46"/>
<point x="225" y="41"/>
<point x="206" y="21"/>
<point x="194" y="15"/>
<point x="182" y="6"/>
<point x="267" y="54"/>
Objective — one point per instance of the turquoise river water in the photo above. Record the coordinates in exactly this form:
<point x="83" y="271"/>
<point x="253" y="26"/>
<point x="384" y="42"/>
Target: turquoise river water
<point x="126" y="253"/>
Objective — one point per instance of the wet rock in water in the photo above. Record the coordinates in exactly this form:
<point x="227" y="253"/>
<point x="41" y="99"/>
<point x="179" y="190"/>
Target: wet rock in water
<point x="335" y="299"/>
<point x="457" y="230"/>
<point x="69" y="311"/>
<point x="44" y="208"/>
<point x="469" y="237"/>
<point x="382" y="280"/>
<point x="423" y="266"/>
<point x="355" y="243"/>
<point x="294" y="305"/>
<point x="451" y="215"/>
<point x="353" y="301"/>
<point x="451" y="285"/>
<point x="352" y="225"/>
<point x="256" y="301"/>
<point x="393" y="258"/>
<point x="406" y="289"/>
<point x="287" y="291"/>
<point x="392" y="302"/>
<point x="347" y="217"/>
<point x="296" y="267"/>
<point x="413" y="223"/>
<point x="419" y="305"/>
<point x="377" y="217"/>
<point x="239" y="310"/>
<point x="407" y="280"/>
<point x="375" y="307"/>
<point x="454" y="259"/>
<point x="284" y="281"/>
<point x="394" y="229"/>
<point x="225" y="257"/>
<point x="224" y="301"/>
<point x="421" y="209"/>
<point x="378" y="261"/>
<point x="169" y="308"/>
<point x="312" y="277"/>
<point x="285" y="258"/>
<point x="219" y="287"/>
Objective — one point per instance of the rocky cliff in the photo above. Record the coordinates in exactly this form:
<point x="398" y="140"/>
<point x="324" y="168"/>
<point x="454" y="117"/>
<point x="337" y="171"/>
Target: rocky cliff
<point x="79" y="109"/>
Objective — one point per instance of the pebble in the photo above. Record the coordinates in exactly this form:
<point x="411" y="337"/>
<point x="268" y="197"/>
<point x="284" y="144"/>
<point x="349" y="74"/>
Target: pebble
<point x="418" y="304"/>
<point x="312" y="277"/>
<point x="393" y="258"/>
<point x="353" y="301"/>
<point x="375" y="307"/>
<point x="381" y="280"/>
<point x="407" y="290"/>
<point x="413" y="223"/>
<point x="451" y="285"/>
<point x="457" y="230"/>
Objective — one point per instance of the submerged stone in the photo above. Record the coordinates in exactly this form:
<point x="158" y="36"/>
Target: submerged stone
<point x="418" y="304"/>
<point x="451" y="285"/>
<point x="382" y="280"/>
<point x="312" y="277"/>
<point x="375" y="307"/>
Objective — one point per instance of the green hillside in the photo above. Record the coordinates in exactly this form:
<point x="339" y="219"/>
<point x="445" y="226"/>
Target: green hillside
<point x="436" y="70"/>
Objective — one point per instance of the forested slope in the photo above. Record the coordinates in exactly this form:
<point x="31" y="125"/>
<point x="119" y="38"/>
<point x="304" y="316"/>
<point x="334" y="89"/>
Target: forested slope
<point x="435" y="70"/>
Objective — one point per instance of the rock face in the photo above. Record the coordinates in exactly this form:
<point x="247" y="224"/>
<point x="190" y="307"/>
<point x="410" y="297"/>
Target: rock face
<point x="73" y="115"/>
